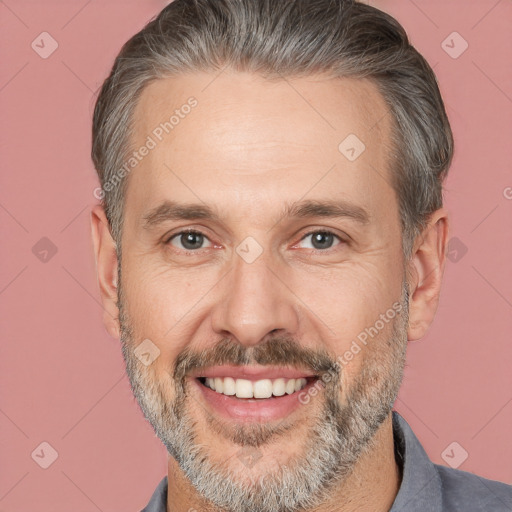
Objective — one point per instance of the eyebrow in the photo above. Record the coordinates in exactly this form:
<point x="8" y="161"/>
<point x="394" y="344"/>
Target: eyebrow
<point x="172" y="210"/>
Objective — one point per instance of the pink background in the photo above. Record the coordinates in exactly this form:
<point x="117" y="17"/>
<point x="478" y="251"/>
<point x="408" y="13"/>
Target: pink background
<point x="62" y="376"/>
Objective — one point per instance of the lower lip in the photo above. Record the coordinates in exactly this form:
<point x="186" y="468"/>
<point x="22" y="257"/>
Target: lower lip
<point x="250" y="410"/>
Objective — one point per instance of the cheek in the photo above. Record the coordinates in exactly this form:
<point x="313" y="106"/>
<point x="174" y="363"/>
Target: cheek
<point x="352" y="310"/>
<point x="348" y="300"/>
<point x="164" y="306"/>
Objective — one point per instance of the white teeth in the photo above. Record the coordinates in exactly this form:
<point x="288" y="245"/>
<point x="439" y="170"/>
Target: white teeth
<point x="278" y="388"/>
<point x="244" y="388"/>
<point x="229" y="386"/>
<point x="290" y="387"/>
<point x="264" y="388"/>
<point x="219" y="384"/>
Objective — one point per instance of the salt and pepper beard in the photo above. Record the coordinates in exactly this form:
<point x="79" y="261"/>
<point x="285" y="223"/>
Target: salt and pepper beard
<point x="340" y="434"/>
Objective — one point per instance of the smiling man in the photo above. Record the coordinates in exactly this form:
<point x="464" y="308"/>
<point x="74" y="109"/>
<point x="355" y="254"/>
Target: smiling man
<point x="270" y="236"/>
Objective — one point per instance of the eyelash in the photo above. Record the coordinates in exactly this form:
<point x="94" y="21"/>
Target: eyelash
<point x="196" y="232"/>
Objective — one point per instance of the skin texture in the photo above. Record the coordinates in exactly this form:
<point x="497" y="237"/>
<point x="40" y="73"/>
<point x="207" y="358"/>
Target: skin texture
<point x="248" y="148"/>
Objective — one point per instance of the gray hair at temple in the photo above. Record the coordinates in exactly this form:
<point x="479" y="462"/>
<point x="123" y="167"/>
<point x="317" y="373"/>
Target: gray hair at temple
<point x="276" y="39"/>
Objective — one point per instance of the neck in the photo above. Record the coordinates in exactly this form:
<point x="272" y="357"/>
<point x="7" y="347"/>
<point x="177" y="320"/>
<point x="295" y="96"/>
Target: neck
<point x="372" y="485"/>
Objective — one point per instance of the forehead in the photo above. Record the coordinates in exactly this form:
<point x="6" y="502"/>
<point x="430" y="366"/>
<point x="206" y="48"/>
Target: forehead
<point x="239" y="140"/>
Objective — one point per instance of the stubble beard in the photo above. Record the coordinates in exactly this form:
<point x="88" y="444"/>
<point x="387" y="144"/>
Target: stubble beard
<point x="339" y="435"/>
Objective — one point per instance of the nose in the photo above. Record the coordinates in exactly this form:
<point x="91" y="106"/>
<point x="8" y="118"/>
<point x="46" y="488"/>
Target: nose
<point x="254" y="302"/>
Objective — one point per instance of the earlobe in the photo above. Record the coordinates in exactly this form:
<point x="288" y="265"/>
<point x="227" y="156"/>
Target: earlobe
<point x="106" y="268"/>
<point x="426" y="268"/>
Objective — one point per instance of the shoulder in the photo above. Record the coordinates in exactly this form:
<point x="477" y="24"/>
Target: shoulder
<point x="158" y="501"/>
<point x="429" y="487"/>
<point x="466" y="491"/>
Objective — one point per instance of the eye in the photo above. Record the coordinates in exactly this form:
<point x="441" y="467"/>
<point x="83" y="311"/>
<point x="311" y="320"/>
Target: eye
<point x="321" y="240"/>
<point x="189" y="240"/>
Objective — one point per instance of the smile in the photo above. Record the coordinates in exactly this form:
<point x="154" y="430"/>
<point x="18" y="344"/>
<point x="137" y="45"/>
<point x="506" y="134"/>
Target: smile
<point x="248" y="394"/>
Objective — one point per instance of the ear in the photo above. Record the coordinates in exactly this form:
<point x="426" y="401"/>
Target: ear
<point x="425" y="273"/>
<point x="106" y="268"/>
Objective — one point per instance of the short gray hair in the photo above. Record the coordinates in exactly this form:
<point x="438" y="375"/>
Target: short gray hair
<point x="276" y="39"/>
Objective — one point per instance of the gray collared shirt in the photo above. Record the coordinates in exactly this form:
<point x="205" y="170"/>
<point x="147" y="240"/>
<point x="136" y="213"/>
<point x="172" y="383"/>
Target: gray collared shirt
<point x="425" y="487"/>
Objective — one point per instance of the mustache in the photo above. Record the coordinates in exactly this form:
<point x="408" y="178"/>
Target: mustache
<point x="277" y="351"/>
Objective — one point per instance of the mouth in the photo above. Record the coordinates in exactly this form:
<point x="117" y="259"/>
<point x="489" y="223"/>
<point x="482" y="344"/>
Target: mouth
<point x="249" y="394"/>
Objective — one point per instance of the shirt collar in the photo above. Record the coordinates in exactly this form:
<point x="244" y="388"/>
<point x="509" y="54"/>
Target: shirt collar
<point x="420" y="489"/>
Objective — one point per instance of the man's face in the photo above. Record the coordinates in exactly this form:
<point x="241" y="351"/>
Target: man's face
<point x="270" y="290"/>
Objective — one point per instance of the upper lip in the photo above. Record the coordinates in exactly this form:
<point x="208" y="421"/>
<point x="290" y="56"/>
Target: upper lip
<point x="252" y="372"/>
